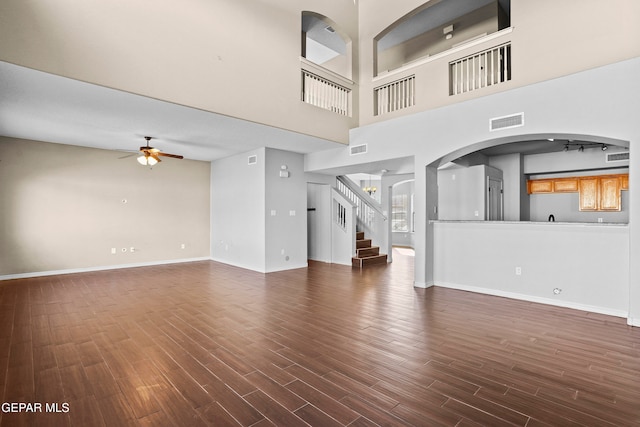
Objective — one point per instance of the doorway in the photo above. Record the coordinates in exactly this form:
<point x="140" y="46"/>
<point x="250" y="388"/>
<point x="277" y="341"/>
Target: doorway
<point x="319" y="222"/>
<point x="495" y="202"/>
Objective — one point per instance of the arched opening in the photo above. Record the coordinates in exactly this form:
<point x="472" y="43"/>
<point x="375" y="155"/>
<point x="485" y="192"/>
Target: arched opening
<point x="435" y="27"/>
<point x="465" y="178"/>
<point x="564" y="261"/>
<point x="325" y="45"/>
<point x="402" y="219"/>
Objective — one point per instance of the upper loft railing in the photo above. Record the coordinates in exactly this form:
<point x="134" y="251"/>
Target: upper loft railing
<point x="486" y="68"/>
<point x="394" y="96"/>
<point x="325" y="89"/>
<point x="417" y="84"/>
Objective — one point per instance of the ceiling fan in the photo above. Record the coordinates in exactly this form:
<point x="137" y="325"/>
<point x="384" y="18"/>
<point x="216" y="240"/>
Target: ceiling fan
<point x="150" y="156"/>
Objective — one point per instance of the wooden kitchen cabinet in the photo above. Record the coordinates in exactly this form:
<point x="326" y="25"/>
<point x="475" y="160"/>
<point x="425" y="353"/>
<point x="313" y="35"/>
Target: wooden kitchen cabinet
<point x="565" y="185"/>
<point x="601" y="193"/>
<point x="540" y="186"/>
<point x="596" y="193"/>
<point x="588" y="189"/>
<point x="610" y="194"/>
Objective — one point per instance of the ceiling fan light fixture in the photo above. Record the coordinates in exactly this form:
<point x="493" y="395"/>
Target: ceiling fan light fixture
<point x="147" y="160"/>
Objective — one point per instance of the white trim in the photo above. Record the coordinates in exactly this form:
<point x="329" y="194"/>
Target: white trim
<point x="423" y="285"/>
<point x="548" y="301"/>
<point x="324" y="72"/>
<point x="258" y="270"/>
<point x="422" y="61"/>
<point x="292" y="267"/>
<point x="100" y="268"/>
<point x="239" y="265"/>
<point x="633" y="322"/>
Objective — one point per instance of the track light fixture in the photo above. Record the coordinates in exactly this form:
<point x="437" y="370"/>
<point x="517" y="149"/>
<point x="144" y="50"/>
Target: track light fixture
<point x="581" y="146"/>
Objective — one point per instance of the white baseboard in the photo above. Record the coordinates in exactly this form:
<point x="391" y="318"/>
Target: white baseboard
<point x="98" y="268"/>
<point x="422" y="285"/>
<point x="260" y="270"/>
<point x="292" y="267"/>
<point x="541" y="300"/>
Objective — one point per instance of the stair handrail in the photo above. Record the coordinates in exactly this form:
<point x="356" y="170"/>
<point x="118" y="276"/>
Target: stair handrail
<point x="364" y="197"/>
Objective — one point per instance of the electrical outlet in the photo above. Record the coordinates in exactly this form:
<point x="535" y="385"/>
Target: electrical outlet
<point x="113" y="251"/>
<point x="518" y="271"/>
<point x="182" y="246"/>
<point x="132" y="249"/>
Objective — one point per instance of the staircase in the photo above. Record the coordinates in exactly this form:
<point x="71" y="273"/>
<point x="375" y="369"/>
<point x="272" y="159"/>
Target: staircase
<point x="365" y="253"/>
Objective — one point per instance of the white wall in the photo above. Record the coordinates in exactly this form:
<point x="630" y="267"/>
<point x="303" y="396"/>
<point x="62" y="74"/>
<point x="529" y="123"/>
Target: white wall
<point x="589" y="159"/>
<point x="238" y="207"/>
<point x="565" y="207"/>
<point x="590" y="263"/>
<point x="515" y="186"/>
<point x="462" y="192"/>
<point x="256" y="215"/>
<point x="286" y="231"/>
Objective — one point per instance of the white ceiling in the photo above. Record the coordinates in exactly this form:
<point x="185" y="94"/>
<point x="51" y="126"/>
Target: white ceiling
<point x="44" y="107"/>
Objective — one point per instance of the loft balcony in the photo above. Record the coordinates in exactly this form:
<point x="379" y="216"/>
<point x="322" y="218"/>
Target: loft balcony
<point x="325" y="89"/>
<point x="473" y="68"/>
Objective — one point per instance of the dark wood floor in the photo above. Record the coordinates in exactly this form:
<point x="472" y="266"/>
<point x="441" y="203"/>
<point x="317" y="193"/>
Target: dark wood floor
<point x="209" y="344"/>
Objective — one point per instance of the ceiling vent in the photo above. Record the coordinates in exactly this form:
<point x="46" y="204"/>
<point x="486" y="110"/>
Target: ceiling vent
<point x="617" y="157"/>
<point x="506" y="122"/>
<point x="358" y="149"/>
<point x="252" y="160"/>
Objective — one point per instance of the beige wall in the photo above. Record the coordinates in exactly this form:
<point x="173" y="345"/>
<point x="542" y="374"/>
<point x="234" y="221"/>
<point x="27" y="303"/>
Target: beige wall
<point x="61" y="207"/>
<point x="235" y="57"/>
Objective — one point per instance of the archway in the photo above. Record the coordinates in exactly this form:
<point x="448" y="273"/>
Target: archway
<point x="324" y="44"/>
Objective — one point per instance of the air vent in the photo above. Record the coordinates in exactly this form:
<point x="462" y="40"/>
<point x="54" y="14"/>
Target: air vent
<point x="253" y="160"/>
<point x="358" y="149"/>
<point x="617" y="157"/>
<point x="330" y="29"/>
<point x="506" y="122"/>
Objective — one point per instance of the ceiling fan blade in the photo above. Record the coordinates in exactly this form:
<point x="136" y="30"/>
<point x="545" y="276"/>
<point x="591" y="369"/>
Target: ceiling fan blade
<point x="129" y="155"/>
<point x="175" y="156"/>
<point x="155" y="156"/>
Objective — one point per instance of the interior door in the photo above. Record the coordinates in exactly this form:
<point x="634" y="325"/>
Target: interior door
<point x="319" y="222"/>
<point x="495" y="206"/>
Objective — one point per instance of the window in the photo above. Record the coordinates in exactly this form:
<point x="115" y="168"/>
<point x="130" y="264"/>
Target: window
<point x="400" y="212"/>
